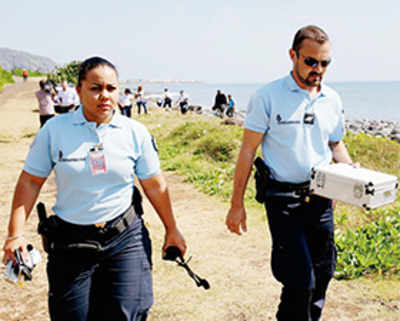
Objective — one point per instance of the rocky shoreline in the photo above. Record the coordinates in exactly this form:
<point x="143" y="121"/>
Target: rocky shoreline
<point x="376" y="128"/>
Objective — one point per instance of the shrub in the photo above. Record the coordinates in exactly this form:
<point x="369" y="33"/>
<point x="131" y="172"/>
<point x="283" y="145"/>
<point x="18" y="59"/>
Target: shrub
<point x="68" y="72"/>
<point x="220" y="149"/>
<point x="372" y="249"/>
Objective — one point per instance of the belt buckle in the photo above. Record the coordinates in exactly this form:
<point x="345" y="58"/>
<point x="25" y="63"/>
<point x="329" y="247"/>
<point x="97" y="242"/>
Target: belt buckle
<point x="100" y="225"/>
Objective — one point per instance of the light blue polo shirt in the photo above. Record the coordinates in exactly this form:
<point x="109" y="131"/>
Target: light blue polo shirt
<point x="291" y="147"/>
<point x="63" y="145"/>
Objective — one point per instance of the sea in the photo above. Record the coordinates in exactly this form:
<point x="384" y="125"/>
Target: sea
<point x="361" y="100"/>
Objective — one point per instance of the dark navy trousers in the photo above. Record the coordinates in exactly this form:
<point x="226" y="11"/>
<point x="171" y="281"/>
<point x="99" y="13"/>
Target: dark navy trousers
<point x="303" y="254"/>
<point x="113" y="284"/>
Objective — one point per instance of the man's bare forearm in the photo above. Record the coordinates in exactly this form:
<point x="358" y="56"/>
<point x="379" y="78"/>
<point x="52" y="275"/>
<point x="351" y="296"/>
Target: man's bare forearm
<point x="340" y="153"/>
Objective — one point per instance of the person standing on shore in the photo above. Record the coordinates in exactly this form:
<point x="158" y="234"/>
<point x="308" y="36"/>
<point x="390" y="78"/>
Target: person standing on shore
<point x="125" y="103"/>
<point x="25" y="75"/>
<point x="99" y="251"/>
<point x="167" y="99"/>
<point x="140" y="100"/>
<point x="67" y="98"/>
<point x="299" y="122"/>
<point x="46" y="103"/>
<point x="183" y="102"/>
<point x="231" y="107"/>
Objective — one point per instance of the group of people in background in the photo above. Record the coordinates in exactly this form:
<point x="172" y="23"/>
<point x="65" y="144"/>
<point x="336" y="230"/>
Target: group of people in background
<point x="52" y="100"/>
<point x="224" y="105"/>
<point x="126" y="98"/>
<point x="182" y="102"/>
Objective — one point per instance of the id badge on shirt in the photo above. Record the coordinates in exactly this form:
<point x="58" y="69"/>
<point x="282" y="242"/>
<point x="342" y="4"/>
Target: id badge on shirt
<point x="309" y="118"/>
<point x="97" y="160"/>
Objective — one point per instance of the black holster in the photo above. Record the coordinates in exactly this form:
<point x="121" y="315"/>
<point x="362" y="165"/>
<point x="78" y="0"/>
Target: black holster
<point x="262" y="179"/>
<point x="137" y="201"/>
<point x="47" y="227"/>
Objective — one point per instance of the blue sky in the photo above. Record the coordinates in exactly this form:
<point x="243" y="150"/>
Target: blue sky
<point x="212" y="41"/>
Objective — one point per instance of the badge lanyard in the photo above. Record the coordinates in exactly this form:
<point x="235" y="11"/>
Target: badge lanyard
<point x="97" y="159"/>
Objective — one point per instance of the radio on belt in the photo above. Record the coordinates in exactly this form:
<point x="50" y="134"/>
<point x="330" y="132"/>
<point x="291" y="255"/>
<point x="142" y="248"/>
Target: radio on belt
<point x="357" y="186"/>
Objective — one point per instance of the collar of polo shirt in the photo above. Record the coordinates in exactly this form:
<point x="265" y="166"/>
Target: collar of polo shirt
<point x="293" y="86"/>
<point x="79" y="119"/>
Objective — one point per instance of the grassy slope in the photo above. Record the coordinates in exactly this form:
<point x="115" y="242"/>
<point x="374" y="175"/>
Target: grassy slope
<point x="204" y="152"/>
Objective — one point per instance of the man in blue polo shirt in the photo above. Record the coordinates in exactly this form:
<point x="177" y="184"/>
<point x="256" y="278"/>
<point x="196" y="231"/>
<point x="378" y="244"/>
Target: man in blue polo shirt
<point x="299" y="123"/>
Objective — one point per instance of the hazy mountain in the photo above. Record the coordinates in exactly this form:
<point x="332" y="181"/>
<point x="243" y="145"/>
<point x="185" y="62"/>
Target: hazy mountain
<point x="10" y="59"/>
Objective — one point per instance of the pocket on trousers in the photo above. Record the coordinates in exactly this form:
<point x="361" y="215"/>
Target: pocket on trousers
<point x="280" y="263"/>
<point x="327" y="262"/>
<point x="147" y="286"/>
<point x="147" y="279"/>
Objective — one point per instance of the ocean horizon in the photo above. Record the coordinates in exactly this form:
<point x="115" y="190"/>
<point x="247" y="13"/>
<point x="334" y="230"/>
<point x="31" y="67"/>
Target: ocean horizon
<point x="369" y="100"/>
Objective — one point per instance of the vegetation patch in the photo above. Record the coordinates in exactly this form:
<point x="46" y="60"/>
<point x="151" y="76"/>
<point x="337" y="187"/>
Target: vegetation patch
<point x="19" y="73"/>
<point x="371" y="249"/>
<point x="68" y="72"/>
<point x="5" y="78"/>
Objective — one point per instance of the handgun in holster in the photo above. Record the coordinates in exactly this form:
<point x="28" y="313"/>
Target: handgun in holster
<point x="47" y="227"/>
<point x="137" y="201"/>
<point x="262" y="178"/>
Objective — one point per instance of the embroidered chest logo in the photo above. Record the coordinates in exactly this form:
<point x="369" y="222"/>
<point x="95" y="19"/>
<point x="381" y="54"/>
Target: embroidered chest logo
<point x="280" y="121"/>
<point x="61" y="158"/>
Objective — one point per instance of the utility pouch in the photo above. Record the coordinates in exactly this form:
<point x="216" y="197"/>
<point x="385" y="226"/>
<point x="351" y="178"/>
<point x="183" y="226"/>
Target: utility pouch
<point x="262" y="179"/>
<point x="137" y="201"/>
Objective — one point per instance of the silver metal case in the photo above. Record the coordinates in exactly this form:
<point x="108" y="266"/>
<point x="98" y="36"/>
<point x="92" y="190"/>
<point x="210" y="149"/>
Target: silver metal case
<point x="357" y="186"/>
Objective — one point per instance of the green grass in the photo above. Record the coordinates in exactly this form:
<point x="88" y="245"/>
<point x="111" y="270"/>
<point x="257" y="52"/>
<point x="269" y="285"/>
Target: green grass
<point x="5" y="78"/>
<point x="204" y="152"/>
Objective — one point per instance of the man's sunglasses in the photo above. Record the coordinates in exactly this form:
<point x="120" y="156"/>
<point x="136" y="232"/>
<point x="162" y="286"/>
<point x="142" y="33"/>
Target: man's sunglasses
<point x="312" y="62"/>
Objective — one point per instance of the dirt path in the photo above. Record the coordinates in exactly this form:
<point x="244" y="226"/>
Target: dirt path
<point x="242" y="287"/>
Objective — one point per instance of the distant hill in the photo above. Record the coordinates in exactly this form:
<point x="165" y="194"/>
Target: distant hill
<point x="11" y="59"/>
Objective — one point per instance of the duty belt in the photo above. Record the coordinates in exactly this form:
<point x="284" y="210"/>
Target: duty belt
<point x="281" y="189"/>
<point x="91" y="236"/>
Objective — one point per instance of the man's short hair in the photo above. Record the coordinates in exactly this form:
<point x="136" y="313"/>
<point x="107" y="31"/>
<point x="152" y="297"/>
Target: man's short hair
<point x="309" y="32"/>
<point x="42" y="83"/>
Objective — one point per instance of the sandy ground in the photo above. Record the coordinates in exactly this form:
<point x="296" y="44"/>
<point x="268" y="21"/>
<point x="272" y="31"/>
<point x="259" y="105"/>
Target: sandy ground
<point x="242" y="287"/>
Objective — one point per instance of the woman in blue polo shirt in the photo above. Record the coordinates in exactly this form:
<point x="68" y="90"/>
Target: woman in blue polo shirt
<point x="95" y="153"/>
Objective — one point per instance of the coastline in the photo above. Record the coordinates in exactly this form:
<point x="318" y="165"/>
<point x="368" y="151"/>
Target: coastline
<point x="377" y="128"/>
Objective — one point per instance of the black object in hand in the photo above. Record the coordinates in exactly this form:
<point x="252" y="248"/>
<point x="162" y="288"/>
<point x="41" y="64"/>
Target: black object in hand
<point x="172" y="253"/>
